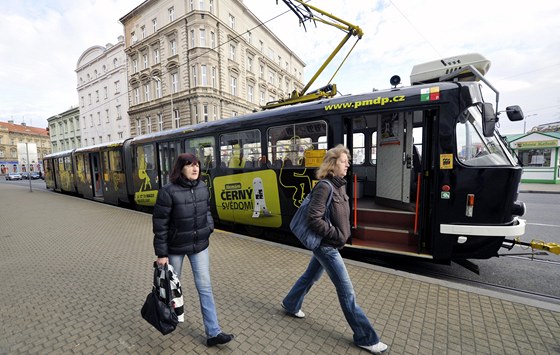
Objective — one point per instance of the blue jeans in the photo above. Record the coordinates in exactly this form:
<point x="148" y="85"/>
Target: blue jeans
<point x="328" y="259"/>
<point x="200" y="265"/>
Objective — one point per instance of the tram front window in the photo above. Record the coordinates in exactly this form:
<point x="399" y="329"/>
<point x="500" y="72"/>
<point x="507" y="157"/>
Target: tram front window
<point x="473" y="148"/>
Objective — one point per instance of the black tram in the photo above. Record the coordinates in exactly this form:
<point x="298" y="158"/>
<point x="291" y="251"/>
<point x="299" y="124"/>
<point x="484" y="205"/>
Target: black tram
<point x="431" y="177"/>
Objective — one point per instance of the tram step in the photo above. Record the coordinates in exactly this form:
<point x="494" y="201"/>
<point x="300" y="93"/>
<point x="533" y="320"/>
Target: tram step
<point x="395" y="218"/>
<point x="385" y="234"/>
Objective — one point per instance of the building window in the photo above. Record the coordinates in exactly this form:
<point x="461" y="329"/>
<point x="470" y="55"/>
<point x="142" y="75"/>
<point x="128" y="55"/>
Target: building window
<point x="138" y="127"/>
<point x="105" y="92"/>
<point x="201" y="5"/>
<point x="232" y="52"/>
<point x="231" y="21"/>
<point x="250" y="89"/>
<point x="214" y="77"/>
<point x="143" y="31"/>
<point x="233" y="86"/>
<point x="261" y="71"/>
<point x="147" y="92"/>
<point x="98" y="119"/>
<point x="203" y="76"/>
<point x="261" y="99"/>
<point x="135" y="65"/>
<point x="191" y="5"/>
<point x="195" y="110"/>
<point x="176" y="118"/>
<point x="148" y="124"/>
<point x="174" y="82"/>
<point x="211" y="6"/>
<point x="202" y="37"/>
<point x="194" y="76"/>
<point x="137" y="95"/>
<point x="156" y="55"/>
<point x="212" y="39"/>
<point x="107" y="116"/>
<point x="158" y="89"/>
<point x="171" y="12"/>
<point x="119" y="117"/>
<point x="192" y="39"/>
<point x="145" y="58"/>
<point x="160" y="122"/>
<point x="249" y="37"/>
<point x="154" y="25"/>
<point x="117" y="87"/>
<point x="250" y="64"/>
<point x="173" y="46"/>
<point x="205" y="113"/>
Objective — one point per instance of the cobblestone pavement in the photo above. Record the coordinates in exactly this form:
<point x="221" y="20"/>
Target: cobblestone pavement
<point x="74" y="275"/>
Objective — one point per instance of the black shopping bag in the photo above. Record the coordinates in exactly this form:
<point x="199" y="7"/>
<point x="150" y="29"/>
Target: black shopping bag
<point x="159" y="313"/>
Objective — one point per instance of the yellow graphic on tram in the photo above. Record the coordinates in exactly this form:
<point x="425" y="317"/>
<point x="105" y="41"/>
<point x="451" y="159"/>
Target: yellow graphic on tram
<point x="249" y="198"/>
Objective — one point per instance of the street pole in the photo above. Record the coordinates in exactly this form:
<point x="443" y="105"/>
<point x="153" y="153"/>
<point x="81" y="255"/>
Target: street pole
<point x="28" y="172"/>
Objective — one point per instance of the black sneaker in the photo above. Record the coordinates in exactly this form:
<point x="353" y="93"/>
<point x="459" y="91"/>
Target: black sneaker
<point x="219" y="339"/>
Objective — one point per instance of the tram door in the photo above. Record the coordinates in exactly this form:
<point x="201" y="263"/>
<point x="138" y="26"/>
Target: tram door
<point x="394" y="156"/>
<point x="167" y="153"/>
<point x="96" y="175"/>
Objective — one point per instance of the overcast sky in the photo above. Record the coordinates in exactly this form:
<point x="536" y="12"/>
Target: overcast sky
<point x="43" y="39"/>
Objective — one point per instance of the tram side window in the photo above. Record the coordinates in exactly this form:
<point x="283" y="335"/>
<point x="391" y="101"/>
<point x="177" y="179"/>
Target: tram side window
<point x="105" y="158"/>
<point x="145" y="157"/>
<point x="203" y="148"/>
<point x="287" y="144"/>
<point x="373" y="156"/>
<point x="241" y="149"/>
<point x="68" y="163"/>
<point x="115" y="160"/>
<point x="359" y="150"/>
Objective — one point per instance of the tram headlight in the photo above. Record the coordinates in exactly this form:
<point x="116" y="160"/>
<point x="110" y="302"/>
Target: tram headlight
<point x="461" y="239"/>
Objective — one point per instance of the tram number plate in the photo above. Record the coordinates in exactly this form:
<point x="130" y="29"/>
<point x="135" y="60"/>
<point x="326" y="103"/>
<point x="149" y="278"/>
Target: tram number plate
<point x="445" y="195"/>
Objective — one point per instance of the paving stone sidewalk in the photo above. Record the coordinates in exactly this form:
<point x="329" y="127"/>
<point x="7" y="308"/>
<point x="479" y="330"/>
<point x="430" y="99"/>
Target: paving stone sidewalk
<point x="74" y="275"/>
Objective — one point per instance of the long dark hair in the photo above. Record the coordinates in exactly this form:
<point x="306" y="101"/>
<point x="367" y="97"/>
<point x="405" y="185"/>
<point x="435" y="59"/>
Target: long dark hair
<point x="180" y="162"/>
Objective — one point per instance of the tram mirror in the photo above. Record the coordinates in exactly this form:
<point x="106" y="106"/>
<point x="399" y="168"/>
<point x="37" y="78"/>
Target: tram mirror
<point x="514" y="113"/>
<point x="488" y="119"/>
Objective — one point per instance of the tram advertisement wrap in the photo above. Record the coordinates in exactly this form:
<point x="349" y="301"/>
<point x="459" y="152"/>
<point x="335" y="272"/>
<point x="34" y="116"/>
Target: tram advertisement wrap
<point x="249" y="198"/>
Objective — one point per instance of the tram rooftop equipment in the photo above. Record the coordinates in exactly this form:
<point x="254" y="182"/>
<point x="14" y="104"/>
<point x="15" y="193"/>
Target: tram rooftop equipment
<point x="465" y="67"/>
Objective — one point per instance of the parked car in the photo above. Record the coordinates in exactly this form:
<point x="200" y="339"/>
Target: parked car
<point x="13" y="176"/>
<point x="35" y="175"/>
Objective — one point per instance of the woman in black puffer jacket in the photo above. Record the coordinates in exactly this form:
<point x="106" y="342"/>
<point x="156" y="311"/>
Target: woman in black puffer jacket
<point x="182" y="225"/>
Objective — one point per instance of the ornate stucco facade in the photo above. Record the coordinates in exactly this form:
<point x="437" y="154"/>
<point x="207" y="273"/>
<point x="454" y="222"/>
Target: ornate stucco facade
<point x="199" y="61"/>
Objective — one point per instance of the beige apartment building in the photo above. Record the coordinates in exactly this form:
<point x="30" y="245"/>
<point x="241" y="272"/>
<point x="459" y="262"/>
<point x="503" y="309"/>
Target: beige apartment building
<point x="200" y="61"/>
<point x="12" y="134"/>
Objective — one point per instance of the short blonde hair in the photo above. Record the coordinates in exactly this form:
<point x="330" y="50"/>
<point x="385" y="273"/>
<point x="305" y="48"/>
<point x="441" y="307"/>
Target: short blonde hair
<point x="329" y="162"/>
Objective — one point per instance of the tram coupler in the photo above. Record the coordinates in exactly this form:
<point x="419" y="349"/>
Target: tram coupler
<point x="534" y="244"/>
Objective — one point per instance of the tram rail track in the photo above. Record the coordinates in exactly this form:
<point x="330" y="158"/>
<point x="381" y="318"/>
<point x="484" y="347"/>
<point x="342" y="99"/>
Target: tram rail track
<point x="417" y="267"/>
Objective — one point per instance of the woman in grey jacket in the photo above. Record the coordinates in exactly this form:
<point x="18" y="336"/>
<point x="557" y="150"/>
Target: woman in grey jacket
<point x="327" y="257"/>
<point x="182" y="225"/>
